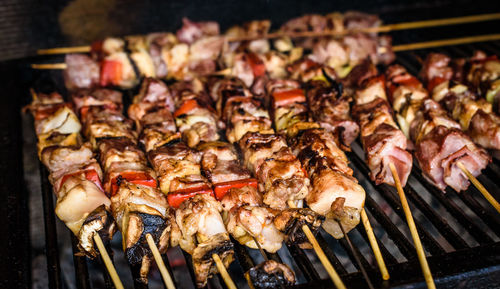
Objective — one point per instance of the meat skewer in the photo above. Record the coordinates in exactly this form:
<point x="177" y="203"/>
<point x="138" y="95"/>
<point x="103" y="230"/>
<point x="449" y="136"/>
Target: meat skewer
<point x="219" y="163"/>
<point x="324" y="162"/>
<point x="266" y="155"/>
<point x="373" y="111"/>
<point x="439" y="141"/>
<point x="141" y="210"/>
<point x="201" y="231"/>
<point x="318" y="92"/>
<point x="475" y="115"/>
<point x="75" y="176"/>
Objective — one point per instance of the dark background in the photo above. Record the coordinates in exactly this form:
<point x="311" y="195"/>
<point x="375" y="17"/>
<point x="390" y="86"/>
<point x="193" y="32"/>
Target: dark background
<point x="27" y="25"/>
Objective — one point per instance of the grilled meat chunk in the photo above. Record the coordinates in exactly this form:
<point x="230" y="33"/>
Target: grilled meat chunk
<point x="140" y="210"/>
<point x="203" y="234"/>
<point x="330" y="108"/>
<point x="271" y="274"/>
<point x="290" y="222"/>
<point x="247" y="222"/>
<point x="81" y="71"/>
<point x="382" y="140"/>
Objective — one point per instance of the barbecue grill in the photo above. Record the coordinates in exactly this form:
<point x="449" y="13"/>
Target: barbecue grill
<point x="460" y="231"/>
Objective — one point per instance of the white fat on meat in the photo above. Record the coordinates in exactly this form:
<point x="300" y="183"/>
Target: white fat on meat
<point x="77" y="198"/>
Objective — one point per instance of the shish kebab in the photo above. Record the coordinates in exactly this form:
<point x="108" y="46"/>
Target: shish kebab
<point x="440" y="144"/>
<point x="75" y="176"/>
<point x="459" y="92"/>
<point x="202" y="232"/>
<point x="197" y="49"/>
<point x="140" y="210"/>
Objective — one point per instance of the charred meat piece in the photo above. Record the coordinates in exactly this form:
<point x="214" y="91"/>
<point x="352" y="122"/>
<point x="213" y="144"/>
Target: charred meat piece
<point x="331" y="108"/>
<point x="101" y="222"/>
<point x="271" y="274"/>
<point x="332" y="184"/>
<point x="141" y="210"/>
<point x="203" y="234"/>
<point x="290" y="223"/>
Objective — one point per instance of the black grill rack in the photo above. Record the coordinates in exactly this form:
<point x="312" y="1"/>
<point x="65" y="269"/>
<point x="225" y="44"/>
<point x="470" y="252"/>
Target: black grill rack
<point x="459" y="231"/>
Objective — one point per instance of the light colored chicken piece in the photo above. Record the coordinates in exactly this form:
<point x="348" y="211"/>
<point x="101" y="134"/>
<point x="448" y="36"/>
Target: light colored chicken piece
<point x="77" y="198"/>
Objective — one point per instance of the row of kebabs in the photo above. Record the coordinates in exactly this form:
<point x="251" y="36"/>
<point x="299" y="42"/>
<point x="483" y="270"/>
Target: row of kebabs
<point x="198" y="49"/>
<point x="279" y="136"/>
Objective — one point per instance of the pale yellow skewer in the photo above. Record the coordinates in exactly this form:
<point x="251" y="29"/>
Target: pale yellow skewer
<point x="413" y="230"/>
<point x="321" y="255"/>
<point x="446" y="42"/>
<point x="107" y="261"/>
<point x="159" y="262"/>
<point x="480" y="187"/>
<point x="373" y="243"/>
<point x="64" y="50"/>
<point x="49" y="66"/>
<point x="223" y="272"/>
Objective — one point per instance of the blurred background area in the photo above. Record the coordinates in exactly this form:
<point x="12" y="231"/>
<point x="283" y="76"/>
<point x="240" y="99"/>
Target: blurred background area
<point x="28" y="25"/>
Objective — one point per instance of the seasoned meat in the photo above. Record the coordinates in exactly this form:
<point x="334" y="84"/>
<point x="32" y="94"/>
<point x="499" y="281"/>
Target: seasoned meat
<point x="436" y="65"/>
<point x="192" y="31"/>
<point x="245" y="223"/>
<point x="330" y="108"/>
<point x="81" y="71"/>
<point x="290" y="223"/>
<point x="203" y="234"/>
<point x="112" y="99"/>
<point x="220" y="163"/>
<point x="140" y="210"/>
<point x="271" y="274"/>
<point x="238" y="197"/>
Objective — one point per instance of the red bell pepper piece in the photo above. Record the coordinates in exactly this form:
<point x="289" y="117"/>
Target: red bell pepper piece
<point x="90" y="175"/>
<point x="176" y="198"/>
<point x="186" y="107"/>
<point x="221" y="189"/>
<point x="138" y="178"/>
<point x="284" y="98"/>
<point x="111" y="72"/>
<point x="435" y="82"/>
<point x="257" y="65"/>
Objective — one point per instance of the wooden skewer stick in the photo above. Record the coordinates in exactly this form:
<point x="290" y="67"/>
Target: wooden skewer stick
<point x="374" y="244"/>
<point x="107" y="261"/>
<point x="49" y="66"/>
<point x="321" y="255"/>
<point x="480" y="187"/>
<point x="64" y="50"/>
<point x="446" y="42"/>
<point x="159" y="262"/>
<point x="223" y="272"/>
<point x="413" y="230"/>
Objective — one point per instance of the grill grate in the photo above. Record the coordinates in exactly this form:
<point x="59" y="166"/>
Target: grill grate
<point x="460" y="232"/>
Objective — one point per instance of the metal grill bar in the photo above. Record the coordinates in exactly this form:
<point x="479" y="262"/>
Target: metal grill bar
<point x="53" y="264"/>
<point x="81" y="270"/>
<point x="458" y="213"/>
<point x="444" y="228"/>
